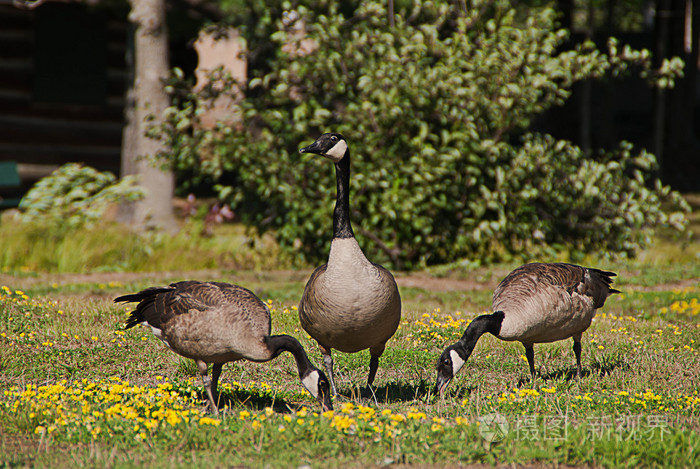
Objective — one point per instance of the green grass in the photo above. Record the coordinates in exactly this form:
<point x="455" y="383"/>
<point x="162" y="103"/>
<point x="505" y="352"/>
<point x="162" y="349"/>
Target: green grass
<point x="76" y="390"/>
<point x="637" y="403"/>
<point x="111" y="247"/>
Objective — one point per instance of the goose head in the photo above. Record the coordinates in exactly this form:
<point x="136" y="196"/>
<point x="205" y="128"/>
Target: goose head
<point x="331" y="145"/>
<point x="451" y="361"/>
<point x="316" y="382"/>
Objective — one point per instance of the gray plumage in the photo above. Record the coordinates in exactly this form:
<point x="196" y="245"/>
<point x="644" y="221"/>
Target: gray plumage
<point x="215" y="322"/>
<point x="535" y="303"/>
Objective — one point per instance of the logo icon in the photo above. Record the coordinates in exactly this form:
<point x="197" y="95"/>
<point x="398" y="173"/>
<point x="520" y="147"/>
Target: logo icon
<point x="493" y="427"/>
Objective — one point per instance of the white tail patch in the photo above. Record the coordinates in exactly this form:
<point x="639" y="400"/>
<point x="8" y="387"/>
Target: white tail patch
<point x="457" y="362"/>
<point x="337" y="152"/>
<point x="158" y="333"/>
<point x="310" y="382"/>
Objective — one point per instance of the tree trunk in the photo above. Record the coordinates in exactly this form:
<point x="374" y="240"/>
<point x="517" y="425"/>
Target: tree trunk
<point x="145" y="105"/>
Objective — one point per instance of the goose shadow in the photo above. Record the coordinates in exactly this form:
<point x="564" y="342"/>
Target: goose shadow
<point x="388" y="393"/>
<point x="601" y="368"/>
<point x="239" y="398"/>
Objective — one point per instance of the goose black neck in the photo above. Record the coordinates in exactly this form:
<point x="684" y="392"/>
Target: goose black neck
<point x="341" y="215"/>
<point x="286" y="343"/>
<point x="479" y="326"/>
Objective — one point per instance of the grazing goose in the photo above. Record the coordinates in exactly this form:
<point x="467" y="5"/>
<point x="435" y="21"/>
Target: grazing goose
<point x="535" y="303"/>
<point x="349" y="304"/>
<point x="215" y="322"/>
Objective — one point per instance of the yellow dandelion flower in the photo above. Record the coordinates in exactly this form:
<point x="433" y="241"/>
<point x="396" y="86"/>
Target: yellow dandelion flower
<point x="172" y="418"/>
<point x="347" y="407"/>
<point x="414" y="415"/>
<point x="209" y="421"/>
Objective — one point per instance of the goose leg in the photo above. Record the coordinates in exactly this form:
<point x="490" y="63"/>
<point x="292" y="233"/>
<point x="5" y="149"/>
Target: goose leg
<point x="577" y="352"/>
<point x="328" y="364"/>
<point x="368" y="391"/>
<point x="373" y="365"/>
<point x="206" y="380"/>
<point x="375" y="353"/>
<point x="215" y="373"/>
<point x="530" y="355"/>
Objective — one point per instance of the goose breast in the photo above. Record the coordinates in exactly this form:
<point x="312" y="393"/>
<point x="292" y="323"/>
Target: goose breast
<point x="350" y="304"/>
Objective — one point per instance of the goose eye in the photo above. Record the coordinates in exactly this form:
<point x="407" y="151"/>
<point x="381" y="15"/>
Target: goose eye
<point x="333" y="138"/>
<point x="446" y="362"/>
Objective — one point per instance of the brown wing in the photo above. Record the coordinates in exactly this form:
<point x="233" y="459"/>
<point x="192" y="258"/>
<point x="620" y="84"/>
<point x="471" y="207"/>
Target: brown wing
<point x="530" y="278"/>
<point x="159" y="305"/>
<point x="525" y="279"/>
<point x="308" y="298"/>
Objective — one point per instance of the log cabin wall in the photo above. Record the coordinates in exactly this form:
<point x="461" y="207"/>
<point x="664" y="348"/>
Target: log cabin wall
<point x="63" y="76"/>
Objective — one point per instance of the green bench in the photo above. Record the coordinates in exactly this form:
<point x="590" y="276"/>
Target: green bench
<point x="9" y="183"/>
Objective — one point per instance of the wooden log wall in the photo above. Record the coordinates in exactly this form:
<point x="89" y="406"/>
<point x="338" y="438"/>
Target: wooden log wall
<point x="63" y="77"/>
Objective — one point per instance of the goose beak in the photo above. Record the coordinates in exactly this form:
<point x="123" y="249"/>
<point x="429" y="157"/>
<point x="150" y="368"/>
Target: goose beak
<point x="326" y="403"/>
<point x="313" y="148"/>
<point x="441" y="385"/>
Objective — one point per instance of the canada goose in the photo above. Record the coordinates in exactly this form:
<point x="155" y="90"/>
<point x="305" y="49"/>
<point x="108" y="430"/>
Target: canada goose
<point x="535" y="303"/>
<point x="215" y="322"/>
<point x="349" y="304"/>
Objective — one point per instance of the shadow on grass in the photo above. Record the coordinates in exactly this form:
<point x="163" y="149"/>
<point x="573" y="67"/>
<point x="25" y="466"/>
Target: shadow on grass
<point x="244" y="399"/>
<point x="602" y="367"/>
<point x="392" y="392"/>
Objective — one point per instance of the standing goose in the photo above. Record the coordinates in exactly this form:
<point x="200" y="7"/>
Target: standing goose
<point x="215" y="322"/>
<point x="535" y="303"/>
<point x="349" y="304"/>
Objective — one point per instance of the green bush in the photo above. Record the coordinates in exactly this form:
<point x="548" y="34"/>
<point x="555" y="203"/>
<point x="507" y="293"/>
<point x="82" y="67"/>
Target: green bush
<point x="75" y="196"/>
<point x="436" y="111"/>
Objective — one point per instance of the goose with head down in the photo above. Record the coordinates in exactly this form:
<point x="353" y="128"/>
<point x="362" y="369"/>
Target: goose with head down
<point x="535" y="303"/>
<point x="215" y="322"/>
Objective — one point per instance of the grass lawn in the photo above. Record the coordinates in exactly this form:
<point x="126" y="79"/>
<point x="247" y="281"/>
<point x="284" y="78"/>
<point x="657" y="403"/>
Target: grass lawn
<point x="76" y="390"/>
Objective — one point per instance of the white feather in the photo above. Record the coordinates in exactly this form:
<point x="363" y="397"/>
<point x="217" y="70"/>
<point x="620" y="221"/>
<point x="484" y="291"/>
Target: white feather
<point x="337" y="152"/>
<point x="158" y="333"/>
<point x="310" y="382"/>
<point x="457" y="362"/>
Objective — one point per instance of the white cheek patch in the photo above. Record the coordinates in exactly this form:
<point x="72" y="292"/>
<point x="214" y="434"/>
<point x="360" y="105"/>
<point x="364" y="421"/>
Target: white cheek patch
<point x="310" y="382"/>
<point x="457" y="362"/>
<point x="337" y="153"/>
